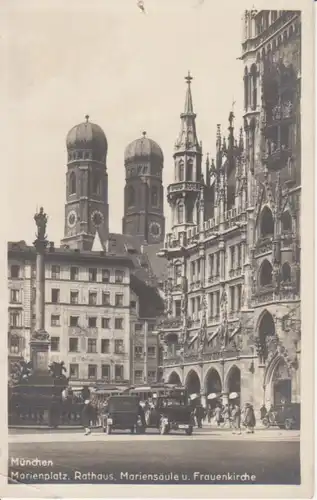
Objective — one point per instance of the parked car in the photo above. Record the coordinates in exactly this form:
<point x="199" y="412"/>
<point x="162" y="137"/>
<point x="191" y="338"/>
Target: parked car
<point x="123" y="412"/>
<point x="285" y="416"/>
<point x="171" y="413"/>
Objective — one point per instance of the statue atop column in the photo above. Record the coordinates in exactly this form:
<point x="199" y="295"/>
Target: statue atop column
<point x="41" y="223"/>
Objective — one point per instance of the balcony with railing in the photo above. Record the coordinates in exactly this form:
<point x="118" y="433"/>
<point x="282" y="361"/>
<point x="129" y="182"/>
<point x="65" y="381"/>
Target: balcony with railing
<point x="184" y="186"/>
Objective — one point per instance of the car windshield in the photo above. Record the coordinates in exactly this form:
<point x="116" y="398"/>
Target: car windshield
<point x="165" y="402"/>
<point x="123" y="404"/>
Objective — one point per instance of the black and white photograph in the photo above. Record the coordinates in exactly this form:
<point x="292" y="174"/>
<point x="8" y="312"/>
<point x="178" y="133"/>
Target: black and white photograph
<point x="153" y="259"/>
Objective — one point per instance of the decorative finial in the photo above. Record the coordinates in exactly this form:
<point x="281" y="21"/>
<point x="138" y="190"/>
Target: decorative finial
<point x="188" y="78"/>
<point x="144" y="133"/>
<point x="87" y="118"/>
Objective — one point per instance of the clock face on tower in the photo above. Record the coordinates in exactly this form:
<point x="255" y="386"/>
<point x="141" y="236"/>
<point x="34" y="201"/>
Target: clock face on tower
<point x="71" y="218"/>
<point x="155" y="229"/>
<point x="97" y="218"/>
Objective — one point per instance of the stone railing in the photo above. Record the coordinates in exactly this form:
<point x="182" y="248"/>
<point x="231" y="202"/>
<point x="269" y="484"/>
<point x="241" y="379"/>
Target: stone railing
<point x="234" y="273"/>
<point x="169" y="323"/>
<point x="183" y="186"/>
<point x="264" y="295"/>
<point x="278" y="158"/>
<point x="264" y="245"/>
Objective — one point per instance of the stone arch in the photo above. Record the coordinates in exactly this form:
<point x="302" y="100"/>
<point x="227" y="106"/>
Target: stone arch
<point x="278" y="381"/>
<point x="265" y="329"/>
<point x="266" y="222"/>
<point x="233" y="380"/>
<point x="192" y="382"/>
<point x="174" y="378"/>
<point x="72" y="183"/>
<point x="212" y="382"/>
<point x="265" y="273"/>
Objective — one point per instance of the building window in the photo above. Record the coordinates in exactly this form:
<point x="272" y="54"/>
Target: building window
<point x="92" y="346"/>
<point x="118" y="323"/>
<point x="131" y="196"/>
<point x="15" y="296"/>
<point x="232" y="257"/>
<point x="119" y="275"/>
<point x="92" y="322"/>
<point x="118" y="372"/>
<point x="181" y="171"/>
<point x="74" y="297"/>
<point x="138" y="375"/>
<point x="239" y="297"/>
<point x="217" y="257"/>
<point x="138" y="328"/>
<point x="232" y="297"/>
<point x="72" y="183"/>
<point x="133" y="305"/>
<point x="105" y="371"/>
<point x="151" y="351"/>
<point x="211" y="305"/>
<point x="193" y="270"/>
<point x="105" y="298"/>
<point x="73" y="321"/>
<point x="178" y="309"/>
<point x="118" y="347"/>
<point x="73" y="371"/>
<point x="55" y="320"/>
<point x="154" y="196"/>
<point x="105" y="275"/>
<point x="105" y="346"/>
<point x="239" y="252"/>
<point x="15" y="319"/>
<point x="55" y="272"/>
<point x="74" y="273"/>
<point x="138" y="351"/>
<point x="55" y="343"/>
<point x="286" y="273"/>
<point x="73" y="345"/>
<point x="152" y="374"/>
<point x="96" y="184"/>
<point x="211" y="265"/>
<point x="180" y="213"/>
<point x="246" y="88"/>
<point x="92" y="298"/>
<point x="178" y="273"/>
<point x="286" y="222"/>
<point x="254" y="86"/>
<point x="119" y="300"/>
<point x="266" y="273"/>
<point x="92" y="274"/>
<point x="55" y="295"/>
<point x="15" y="271"/>
<point x="105" y="323"/>
<point x="217" y="303"/>
<point x="92" y="371"/>
<point x="198" y="304"/>
<point x="193" y="309"/>
<point x="189" y="171"/>
<point x="14" y="344"/>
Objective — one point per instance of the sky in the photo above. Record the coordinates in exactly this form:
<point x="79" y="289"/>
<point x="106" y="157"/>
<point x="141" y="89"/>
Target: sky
<point x="126" y="70"/>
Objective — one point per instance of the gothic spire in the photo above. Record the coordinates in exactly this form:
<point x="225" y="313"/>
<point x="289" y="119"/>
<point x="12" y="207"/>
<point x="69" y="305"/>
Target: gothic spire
<point x="187" y="139"/>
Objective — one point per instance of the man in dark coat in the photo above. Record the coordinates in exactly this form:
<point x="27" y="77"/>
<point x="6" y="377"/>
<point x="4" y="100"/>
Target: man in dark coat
<point x="249" y="418"/>
<point x="86" y="416"/>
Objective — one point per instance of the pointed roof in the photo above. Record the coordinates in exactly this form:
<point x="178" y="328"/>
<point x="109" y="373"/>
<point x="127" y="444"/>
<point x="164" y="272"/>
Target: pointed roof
<point x="97" y="245"/>
<point x="187" y="139"/>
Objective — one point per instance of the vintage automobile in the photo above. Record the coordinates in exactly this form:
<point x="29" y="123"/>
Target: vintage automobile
<point x="123" y="412"/>
<point x="170" y="413"/>
<point x="285" y="416"/>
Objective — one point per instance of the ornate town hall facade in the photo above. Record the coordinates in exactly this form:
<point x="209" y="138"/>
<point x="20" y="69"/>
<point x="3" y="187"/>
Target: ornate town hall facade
<point x="232" y="301"/>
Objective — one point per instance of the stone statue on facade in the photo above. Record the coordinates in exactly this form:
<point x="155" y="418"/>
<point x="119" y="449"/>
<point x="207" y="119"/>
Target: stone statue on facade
<point x="41" y="222"/>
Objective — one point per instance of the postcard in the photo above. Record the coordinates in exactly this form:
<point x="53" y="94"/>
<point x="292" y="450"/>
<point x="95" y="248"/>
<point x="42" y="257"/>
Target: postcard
<point x="158" y="249"/>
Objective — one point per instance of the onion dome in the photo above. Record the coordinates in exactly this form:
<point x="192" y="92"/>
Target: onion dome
<point x="87" y="141"/>
<point x="143" y="149"/>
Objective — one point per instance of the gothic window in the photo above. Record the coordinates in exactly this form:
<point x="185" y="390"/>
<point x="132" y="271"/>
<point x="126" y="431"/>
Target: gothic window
<point x="252" y="145"/>
<point x="96" y="184"/>
<point x="189" y="216"/>
<point x="189" y="171"/>
<point x="267" y="223"/>
<point x="266" y="273"/>
<point x="154" y="196"/>
<point x="254" y="86"/>
<point x="131" y="196"/>
<point x="72" y="183"/>
<point x="180" y="213"/>
<point x="286" y="272"/>
<point x="246" y="88"/>
<point x="181" y="171"/>
<point x="286" y="222"/>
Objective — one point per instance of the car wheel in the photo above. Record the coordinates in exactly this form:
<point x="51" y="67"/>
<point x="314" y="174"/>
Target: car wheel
<point x="288" y="424"/>
<point x="189" y="431"/>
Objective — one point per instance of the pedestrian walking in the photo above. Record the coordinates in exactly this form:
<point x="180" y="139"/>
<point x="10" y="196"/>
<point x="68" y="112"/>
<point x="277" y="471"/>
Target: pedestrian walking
<point x="236" y="419"/>
<point x="86" y="416"/>
<point x="226" y="415"/>
<point x="218" y="415"/>
<point x="249" y="418"/>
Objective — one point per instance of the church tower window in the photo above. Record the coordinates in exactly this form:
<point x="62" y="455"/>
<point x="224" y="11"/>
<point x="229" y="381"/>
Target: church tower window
<point x="189" y="171"/>
<point x="96" y="184"/>
<point x="181" y="171"/>
<point x="154" y="196"/>
<point x="180" y="213"/>
<point x="131" y="196"/>
<point x="72" y="183"/>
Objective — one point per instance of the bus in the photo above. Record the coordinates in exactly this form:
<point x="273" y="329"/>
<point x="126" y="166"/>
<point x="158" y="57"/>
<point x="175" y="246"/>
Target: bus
<point x="158" y="390"/>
